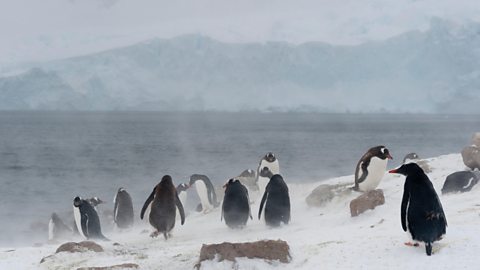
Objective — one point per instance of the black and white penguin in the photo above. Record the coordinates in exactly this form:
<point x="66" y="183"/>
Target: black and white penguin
<point x="371" y="168"/>
<point x="410" y="157"/>
<point x="57" y="229"/>
<point x="421" y="212"/>
<point x="94" y="201"/>
<point x="271" y="162"/>
<point x="277" y="202"/>
<point x="86" y="219"/>
<point x="236" y="204"/>
<point x="164" y="203"/>
<point x="460" y="181"/>
<point x="205" y="191"/>
<point x="123" y="209"/>
<point x="182" y="193"/>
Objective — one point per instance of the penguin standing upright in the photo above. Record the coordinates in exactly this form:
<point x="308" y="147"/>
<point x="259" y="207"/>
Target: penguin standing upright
<point x="164" y="203"/>
<point x="205" y="190"/>
<point x="236" y="204"/>
<point x="57" y="229"/>
<point x="86" y="219"/>
<point x="421" y="212"/>
<point x="371" y="168"/>
<point x="123" y="209"/>
<point x="268" y="161"/>
<point x="277" y="202"/>
<point x="182" y="193"/>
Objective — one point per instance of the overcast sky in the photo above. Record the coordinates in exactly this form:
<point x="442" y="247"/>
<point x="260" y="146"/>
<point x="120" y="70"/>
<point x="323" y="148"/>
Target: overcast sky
<point x="36" y="30"/>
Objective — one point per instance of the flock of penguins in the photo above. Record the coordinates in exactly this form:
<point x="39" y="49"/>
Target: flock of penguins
<point x="422" y="214"/>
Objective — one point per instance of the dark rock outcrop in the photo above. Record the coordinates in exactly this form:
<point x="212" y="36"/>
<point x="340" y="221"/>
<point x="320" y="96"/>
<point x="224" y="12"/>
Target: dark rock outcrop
<point x="366" y="201"/>
<point x="80" y="247"/>
<point x="113" y="267"/>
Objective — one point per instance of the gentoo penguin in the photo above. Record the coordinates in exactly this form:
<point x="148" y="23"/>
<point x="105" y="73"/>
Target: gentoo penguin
<point x="164" y="200"/>
<point x="57" y="229"/>
<point x="205" y="190"/>
<point x="123" y="209"/>
<point x="277" y="202"/>
<point x="86" y="219"/>
<point x="421" y="212"/>
<point x="94" y="201"/>
<point x="182" y="193"/>
<point x="460" y="181"/>
<point x="248" y="178"/>
<point x="236" y="204"/>
<point x="371" y="168"/>
<point x="411" y="157"/>
<point x="271" y="162"/>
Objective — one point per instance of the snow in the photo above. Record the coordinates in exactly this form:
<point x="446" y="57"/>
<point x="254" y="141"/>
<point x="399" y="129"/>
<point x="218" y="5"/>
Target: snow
<point x="319" y="238"/>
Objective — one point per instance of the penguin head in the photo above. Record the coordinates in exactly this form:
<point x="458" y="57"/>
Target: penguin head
<point x="94" y="201"/>
<point x="265" y="172"/>
<point x="410" y="156"/>
<point x="270" y="157"/>
<point x="166" y="181"/>
<point x="407" y="169"/>
<point x="77" y="201"/>
<point x="182" y="187"/>
<point x="380" y="152"/>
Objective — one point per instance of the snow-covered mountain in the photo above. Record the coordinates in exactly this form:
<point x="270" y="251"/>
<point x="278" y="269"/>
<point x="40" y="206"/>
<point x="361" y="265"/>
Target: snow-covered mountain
<point x="433" y="71"/>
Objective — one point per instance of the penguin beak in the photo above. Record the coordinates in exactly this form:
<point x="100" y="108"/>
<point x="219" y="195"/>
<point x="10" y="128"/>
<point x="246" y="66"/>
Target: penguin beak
<point x="393" y="171"/>
<point x="389" y="157"/>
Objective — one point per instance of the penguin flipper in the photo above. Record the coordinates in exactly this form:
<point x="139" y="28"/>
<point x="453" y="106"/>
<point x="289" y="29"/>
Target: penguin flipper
<point x="147" y="202"/>
<point x="361" y="172"/>
<point x="264" y="198"/>
<point x="84" y="223"/>
<point x="405" y="199"/>
<point x="180" y="208"/>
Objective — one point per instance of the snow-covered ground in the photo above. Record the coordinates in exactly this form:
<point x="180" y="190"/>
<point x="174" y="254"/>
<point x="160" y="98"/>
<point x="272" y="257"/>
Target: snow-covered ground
<point x="319" y="238"/>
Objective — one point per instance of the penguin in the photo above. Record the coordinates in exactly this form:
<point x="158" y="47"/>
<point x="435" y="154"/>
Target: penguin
<point x="277" y="202"/>
<point x="123" y="209"/>
<point x="205" y="190"/>
<point x="164" y="203"/>
<point x="57" y="229"/>
<point x="271" y="162"/>
<point x="371" y="168"/>
<point x="411" y="157"/>
<point x="86" y="219"/>
<point x="94" y="201"/>
<point x="460" y="181"/>
<point x="236" y="204"/>
<point x="421" y="211"/>
<point x="182" y="193"/>
<point x="248" y="178"/>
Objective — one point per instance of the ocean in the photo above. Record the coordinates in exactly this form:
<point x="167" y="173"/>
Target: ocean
<point x="48" y="158"/>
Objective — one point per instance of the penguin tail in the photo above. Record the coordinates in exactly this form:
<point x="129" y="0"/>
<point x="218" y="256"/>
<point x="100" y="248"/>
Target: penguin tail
<point x="428" y="248"/>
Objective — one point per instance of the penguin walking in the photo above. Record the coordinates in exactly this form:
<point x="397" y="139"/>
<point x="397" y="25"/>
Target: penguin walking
<point x="205" y="191"/>
<point x="277" y="202"/>
<point x="460" y="181"/>
<point x="86" y="219"/>
<point x="123" y="209"/>
<point x="236" y="204"/>
<point x="371" y="168"/>
<point x="421" y="212"/>
<point x="164" y="203"/>
<point x="57" y="228"/>
<point x="268" y="161"/>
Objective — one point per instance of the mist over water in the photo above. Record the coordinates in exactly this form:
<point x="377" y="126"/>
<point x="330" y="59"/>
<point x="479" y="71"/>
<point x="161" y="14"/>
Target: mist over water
<point x="48" y="158"/>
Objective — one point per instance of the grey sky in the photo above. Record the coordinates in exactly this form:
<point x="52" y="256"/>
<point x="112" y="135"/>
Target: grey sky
<point x="35" y="30"/>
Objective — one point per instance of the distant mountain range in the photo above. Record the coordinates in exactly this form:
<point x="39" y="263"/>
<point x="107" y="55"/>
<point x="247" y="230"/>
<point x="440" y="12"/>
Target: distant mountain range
<point x="436" y="71"/>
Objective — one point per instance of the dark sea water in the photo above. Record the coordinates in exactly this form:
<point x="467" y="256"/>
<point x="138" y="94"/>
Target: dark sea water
<point x="47" y="158"/>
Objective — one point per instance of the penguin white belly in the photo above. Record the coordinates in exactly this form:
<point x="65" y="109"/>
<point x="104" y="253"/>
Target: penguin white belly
<point x="262" y="184"/>
<point x="203" y="194"/>
<point x="78" y="220"/>
<point x="51" y="228"/>
<point x="183" y="198"/>
<point x="272" y="166"/>
<point x="376" y="170"/>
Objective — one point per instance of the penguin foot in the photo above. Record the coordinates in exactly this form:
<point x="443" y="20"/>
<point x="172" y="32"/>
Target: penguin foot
<point x="154" y="234"/>
<point x="410" y="244"/>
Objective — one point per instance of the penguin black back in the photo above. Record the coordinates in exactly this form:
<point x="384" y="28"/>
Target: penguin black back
<point x="87" y="220"/>
<point x="277" y="202"/>
<point x="421" y="211"/>
<point x="460" y="182"/>
<point x="123" y="209"/>
<point x="236" y="206"/>
<point x="164" y="199"/>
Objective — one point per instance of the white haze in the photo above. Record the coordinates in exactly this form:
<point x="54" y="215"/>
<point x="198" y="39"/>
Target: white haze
<point x="52" y="29"/>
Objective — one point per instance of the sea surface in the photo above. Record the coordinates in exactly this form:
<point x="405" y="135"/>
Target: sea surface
<point x="48" y="158"/>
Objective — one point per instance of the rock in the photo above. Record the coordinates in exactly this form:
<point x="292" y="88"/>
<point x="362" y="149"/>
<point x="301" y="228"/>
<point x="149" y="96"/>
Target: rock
<point x="323" y="194"/>
<point x="471" y="157"/>
<point x="113" y="267"/>
<point x="368" y="200"/>
<point x="476" y="139"/>
<point x="264" y="249"/>
<point x="80" y="247"/>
